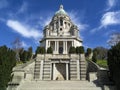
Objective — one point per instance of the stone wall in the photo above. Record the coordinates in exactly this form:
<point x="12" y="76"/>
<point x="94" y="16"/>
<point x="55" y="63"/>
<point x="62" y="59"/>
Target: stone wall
<point x="21" y="73"/>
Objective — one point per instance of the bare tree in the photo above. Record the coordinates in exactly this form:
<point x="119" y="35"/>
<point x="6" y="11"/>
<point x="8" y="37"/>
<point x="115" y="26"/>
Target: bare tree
<point x="17" y="46"/>
<point x="114" y="39"/>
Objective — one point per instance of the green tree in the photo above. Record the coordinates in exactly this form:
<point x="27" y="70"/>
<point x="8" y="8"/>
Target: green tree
<point x="114" y="39"/>
<point x="40" y="50"/>
<point x="17" y="46"/>
<point x="50" y="50"/>
<point x="114" y="64"/>
<point x="101" y="52"/>
<point x="72" y="50"/>
<point x="88" y="53"/>
<point x="94" y="57"/>
<point x="7" y="62"/>
<point x="24" y="56"/>
<point x="81" y="50"/>
<point x="77" y="50"/>
<point x="30" y="53"/>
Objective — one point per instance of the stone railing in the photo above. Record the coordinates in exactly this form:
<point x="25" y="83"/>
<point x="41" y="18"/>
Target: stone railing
<point x="99" y="73"/>
<point x="59" y="56"/>
<point x="92" y="67"/>
<point x="21" y="66"/>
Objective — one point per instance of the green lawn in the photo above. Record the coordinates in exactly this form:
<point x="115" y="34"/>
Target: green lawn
<point x="102" y="63"/>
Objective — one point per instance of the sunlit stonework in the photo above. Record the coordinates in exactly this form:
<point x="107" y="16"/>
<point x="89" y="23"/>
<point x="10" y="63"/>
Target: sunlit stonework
<point x="60" y="34"/>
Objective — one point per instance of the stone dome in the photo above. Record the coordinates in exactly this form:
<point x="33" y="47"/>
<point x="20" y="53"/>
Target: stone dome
<point x="61" y="11"/>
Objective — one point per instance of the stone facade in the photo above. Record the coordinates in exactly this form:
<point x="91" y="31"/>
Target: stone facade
<point x="60" y="34"/>
<point x="60" y="67"/>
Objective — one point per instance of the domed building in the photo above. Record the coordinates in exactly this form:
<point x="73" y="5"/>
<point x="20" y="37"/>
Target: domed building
<point x="60" y="34"/>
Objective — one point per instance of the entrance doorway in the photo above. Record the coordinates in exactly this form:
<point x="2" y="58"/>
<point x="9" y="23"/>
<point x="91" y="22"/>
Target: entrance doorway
<point x="60" y="71"/>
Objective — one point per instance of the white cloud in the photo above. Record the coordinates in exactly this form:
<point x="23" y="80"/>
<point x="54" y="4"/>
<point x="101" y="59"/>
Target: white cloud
<point x="3" y="4"/>
<point x="24" y="44"/>
<point x="44" y="21"/>
<point x="110" y="4"/>
<point x="95" y="29"/>
<point x="23" y="7"/>
<point x="76" y="20"/>
<point x="110" y="18"/>
<point x="24" y="30"/>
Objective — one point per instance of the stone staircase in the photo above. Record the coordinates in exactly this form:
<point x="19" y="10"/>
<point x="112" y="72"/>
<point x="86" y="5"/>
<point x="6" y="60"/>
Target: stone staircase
<point x="58" y="85"/>
<point x="82" y="64"/>
<point x="46" y="70"/>
<point x="73" y="70"/>
<point x="37" y="70"/>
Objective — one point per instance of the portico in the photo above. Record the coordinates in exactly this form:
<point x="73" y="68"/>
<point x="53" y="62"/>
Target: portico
<point x="60" y="46"/>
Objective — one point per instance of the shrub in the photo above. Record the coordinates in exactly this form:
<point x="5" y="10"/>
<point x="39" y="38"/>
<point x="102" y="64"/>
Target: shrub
<point x="94" y="57"/>
<point x="49" y="50"/>
<point x="80" y="50"/>
<point x="40" y="50"/>
<point x="72" y="50"/>
<point x="89" y="51"/>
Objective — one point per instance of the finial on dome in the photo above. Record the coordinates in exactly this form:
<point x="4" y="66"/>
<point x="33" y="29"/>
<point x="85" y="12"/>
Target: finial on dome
<point x="61" y="6"/>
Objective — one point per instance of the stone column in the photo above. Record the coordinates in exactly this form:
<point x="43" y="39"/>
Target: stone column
<point x="49" y="43"/>
<point x="64" y="48"/>
<point x="72" y="43"/>
<point x="67" y="72"/>
<point x="53" y="71"/>
<point x="78" y="70"/>
<point x="57" y="46"/>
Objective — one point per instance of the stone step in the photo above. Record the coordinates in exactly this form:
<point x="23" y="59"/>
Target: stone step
<point x="46" y="75"/>
<point x="58" y="85"/>
<point x="73" y="76"/>
<point x="47" y="61"/>
<point x="46" y="68"/>
<point x="37" y="67"/>
<point x="73" y="62"/>
<point x="82" y="66"/>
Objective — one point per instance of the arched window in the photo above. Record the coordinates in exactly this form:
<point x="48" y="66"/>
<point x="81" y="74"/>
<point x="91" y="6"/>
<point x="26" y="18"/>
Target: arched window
<point x="61" y="22"/>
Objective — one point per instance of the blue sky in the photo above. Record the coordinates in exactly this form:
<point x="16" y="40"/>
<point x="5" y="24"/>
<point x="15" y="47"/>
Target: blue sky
<point x="25" y="19"/>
